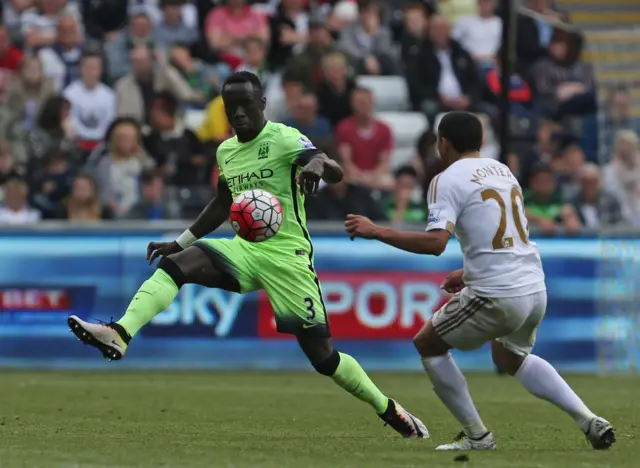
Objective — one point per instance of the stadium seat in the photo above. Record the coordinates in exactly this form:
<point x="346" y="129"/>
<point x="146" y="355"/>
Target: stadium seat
<point x="390" y="92"/>
<point x="402" y="156"/>
<point x="405" y="126"/>
<point x="193" y="119"/>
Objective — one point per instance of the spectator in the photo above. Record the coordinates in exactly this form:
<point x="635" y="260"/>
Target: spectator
<point x="12" y="14"/>
<point x="153" y="204"/>
<point x="544" y="151"/>
<point x="93" y="104"/>
<point x="401" y="207"/>
<point x="289" y="32"/>
<point x="26" y="93"/>
<point x="10" y="58"/>
<point x="368" y="43"/>
<point x="118" y="49"/>
<point x="39" y="24"/>
<point x="306" y="119"/>
<point x="568" y="166"/>
<point x="215" y="128"/>
<point x="448" y="74"/>
<point x="427" y="161"/>
<point x="621" y="177"/>
<point x="118" y="164"/>
<point x="412" y="44"/>
<point x="306" y="67"/>
<point x="83" y="205"/>
<point x="136" y="92"/>
<point x="335" y="201"/>
<point x="52" y="189"/>
<point x="61" y="60"/>
<point x="564" y="85"/>
<point x="334" y="92"/>
<point x="534" y="33"/>
<point x="545" y="209"/>
<point x="598" y="135"/>
<point x="228" y="25"/>
<point x="16" y="209"/>
<point x="255" y="59"/>
<point x="54" y="130"/>
<point x="203" y="79"/>
<point x="171" y="29"/>
<point x="153" y="8"/>
<point x="8" y="168"/>
<point x="365" y="143"/>
<point x="480" y="34"/>
<point x="176" y="150"/>
<point x="595" y="207"/>
<point x="520" y="91"/>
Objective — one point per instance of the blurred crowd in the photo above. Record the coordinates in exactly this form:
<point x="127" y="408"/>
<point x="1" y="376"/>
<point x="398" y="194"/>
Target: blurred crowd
<point x="95" y="93"/>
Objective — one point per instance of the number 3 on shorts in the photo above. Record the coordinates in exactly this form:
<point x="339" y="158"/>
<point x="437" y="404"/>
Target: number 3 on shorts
<point x="312" y="311"/>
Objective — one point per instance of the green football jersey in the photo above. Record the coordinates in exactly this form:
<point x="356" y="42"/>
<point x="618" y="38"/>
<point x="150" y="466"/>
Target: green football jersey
<point x="268" y="162"/>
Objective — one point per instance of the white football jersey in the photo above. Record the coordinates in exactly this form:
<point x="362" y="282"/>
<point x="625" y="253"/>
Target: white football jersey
<point x="480" y="200"/>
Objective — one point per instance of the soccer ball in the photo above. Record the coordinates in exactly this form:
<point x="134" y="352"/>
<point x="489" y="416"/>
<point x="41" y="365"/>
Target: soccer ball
<point x="256" y="215"/>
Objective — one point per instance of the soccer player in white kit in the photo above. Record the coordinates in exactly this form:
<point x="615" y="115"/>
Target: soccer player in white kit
<point x="499" y="295"/>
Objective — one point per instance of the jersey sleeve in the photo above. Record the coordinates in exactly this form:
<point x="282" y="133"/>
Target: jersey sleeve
<point x="293" y="143"/>
<point x="442" y="204"/>
<point x="220" y="161"/>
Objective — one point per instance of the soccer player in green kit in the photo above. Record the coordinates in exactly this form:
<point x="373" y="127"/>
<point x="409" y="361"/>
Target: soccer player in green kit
<point x="280" y="160"/>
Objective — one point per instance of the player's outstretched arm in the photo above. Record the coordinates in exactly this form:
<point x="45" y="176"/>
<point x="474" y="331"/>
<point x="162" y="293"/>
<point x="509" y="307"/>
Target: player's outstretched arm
<point x="215" y="213"/>
<point x="425" y="243"/>
<point x="317" y="165"/>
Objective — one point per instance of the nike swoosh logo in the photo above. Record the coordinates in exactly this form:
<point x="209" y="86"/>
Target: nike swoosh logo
<point x="115" y="343"/>
<point x="308" y="325"/>
<point x="228" y="160"/>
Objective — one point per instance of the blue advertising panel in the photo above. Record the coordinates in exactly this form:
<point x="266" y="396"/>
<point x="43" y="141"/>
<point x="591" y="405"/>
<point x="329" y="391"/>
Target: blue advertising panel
<point x="376" y="299"/>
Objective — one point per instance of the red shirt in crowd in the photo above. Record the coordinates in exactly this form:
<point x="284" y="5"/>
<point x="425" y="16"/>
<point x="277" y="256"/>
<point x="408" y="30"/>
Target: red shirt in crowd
<point x="9" y="64"/>
<point x="235" y="26"/>
<point x="367" y="146"/>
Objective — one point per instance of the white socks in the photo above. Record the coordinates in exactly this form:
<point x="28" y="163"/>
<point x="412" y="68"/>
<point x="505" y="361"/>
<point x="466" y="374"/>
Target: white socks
<point x="543" y="381"/>
<point x="451" y="387"/>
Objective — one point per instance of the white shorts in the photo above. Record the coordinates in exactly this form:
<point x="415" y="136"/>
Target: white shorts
<point x="468" y="321"/>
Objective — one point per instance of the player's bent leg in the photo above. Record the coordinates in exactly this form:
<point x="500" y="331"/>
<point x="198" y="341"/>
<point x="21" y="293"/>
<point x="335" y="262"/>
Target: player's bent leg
<point x="448" y="381"/>
<point x="543" y="381"/>
<point x="349" y="375"/>
<point x="154" y="296"/>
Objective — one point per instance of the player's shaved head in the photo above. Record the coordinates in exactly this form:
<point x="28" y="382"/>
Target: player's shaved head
<point x="459" y="133"/>
<point x="244" y="104"/>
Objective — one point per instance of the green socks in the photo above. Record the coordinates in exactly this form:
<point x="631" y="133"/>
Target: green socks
<point x="350" y="376"/>
<point x="154" y="296"/>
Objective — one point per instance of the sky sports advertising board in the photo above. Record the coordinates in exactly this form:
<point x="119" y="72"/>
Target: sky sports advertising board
<point x="376" y="298"/>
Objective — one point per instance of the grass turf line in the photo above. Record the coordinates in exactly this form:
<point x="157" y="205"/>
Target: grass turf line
<point x="227" y="419"/>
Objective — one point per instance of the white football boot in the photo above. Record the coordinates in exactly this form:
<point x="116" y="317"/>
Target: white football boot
<point x="99" y="335"/>
<point x="601" y="434"/>
<point x="403" y="422"/>
<point x="463" y="442"/>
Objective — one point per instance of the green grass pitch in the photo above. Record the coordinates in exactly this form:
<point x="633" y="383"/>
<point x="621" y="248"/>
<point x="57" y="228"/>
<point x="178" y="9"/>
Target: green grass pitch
<point x="255" y="419"/>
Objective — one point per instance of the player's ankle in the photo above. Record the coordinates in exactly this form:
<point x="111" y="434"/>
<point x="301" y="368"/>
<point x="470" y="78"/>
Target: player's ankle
<point x="476" y="430"/>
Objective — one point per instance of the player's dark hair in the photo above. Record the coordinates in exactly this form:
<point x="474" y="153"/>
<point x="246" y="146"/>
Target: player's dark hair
<point x="167" y="101"/>
<point x="405" y="171"/>
<point x="463" y="130"/>
<point x="243" y="77"/>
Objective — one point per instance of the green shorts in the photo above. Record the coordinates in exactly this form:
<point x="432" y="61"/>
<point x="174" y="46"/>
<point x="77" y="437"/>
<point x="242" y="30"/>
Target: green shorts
<point x="288" y="278"/>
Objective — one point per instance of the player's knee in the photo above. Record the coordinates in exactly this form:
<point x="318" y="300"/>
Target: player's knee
<point x="428" y="342"/>
<point x="505" y="360"/>
<point x="172" y="269"/>
<point x="329" y="365"/>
